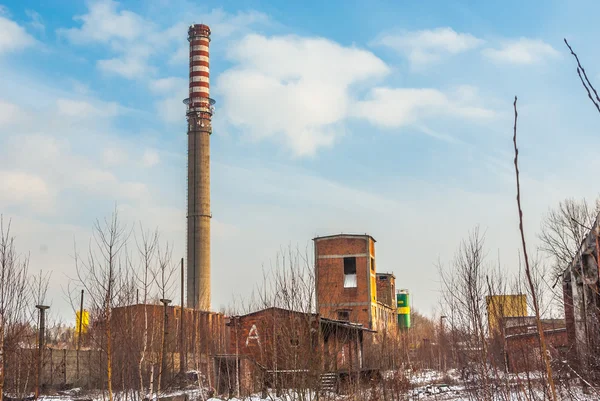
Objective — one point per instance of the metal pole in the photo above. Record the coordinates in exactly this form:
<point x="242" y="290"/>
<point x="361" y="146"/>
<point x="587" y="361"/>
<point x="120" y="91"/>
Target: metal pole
<point x="182" y="349"/>
<point x="163" y="360"/>
<point x="442" y="358"/>
<point x="42" y="317"/>
<point x="79" y="330"/>
<point x="237" y="357"/>
<point x="1" y="357"/>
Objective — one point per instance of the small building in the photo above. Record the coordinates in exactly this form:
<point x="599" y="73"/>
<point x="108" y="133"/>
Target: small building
<point x="500" y="307"/>
<point x="279" y="348"/>
<point x="199" y="334"/>
<point x="523" y="351"/>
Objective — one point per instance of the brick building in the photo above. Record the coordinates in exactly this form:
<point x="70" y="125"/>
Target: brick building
<point x="277" y="348"/>
<point x="523" y="351"/>
<point x="581" y="289"/>
<point x="347" y="283"/>
<point x="204" y="334"/>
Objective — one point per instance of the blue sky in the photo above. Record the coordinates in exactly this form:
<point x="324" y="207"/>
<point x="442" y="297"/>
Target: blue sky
<point x="391" y="118"/>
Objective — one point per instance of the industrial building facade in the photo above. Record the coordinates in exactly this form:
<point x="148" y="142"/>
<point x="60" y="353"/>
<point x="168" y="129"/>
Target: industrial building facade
<point x="347" y="282"/>
<point x="581" y="296"/>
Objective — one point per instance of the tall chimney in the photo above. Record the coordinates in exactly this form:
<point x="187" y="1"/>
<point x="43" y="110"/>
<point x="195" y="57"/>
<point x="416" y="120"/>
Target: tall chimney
<point x="199" y="114"/>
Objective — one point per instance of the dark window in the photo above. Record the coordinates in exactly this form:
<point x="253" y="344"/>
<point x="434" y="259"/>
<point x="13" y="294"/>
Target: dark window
<point x="343" y="315"/>
<point x="350" y="272"/>
<point x="373" y="265"/>
<point x="350" y="265"/>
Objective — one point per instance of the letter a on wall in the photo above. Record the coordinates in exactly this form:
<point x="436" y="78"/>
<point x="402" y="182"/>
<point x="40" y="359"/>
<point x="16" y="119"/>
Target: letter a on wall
<point x="253" y="335"/>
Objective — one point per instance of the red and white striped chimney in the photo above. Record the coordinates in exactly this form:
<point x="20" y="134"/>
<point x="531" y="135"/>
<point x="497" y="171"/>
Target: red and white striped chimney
<point x="199" y="38"/>
<point x="199" y="114"/>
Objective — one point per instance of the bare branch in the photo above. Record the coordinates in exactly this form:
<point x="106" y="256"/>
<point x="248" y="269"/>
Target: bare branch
<point x="527" y="268"/>
<point x="586" y="83"/>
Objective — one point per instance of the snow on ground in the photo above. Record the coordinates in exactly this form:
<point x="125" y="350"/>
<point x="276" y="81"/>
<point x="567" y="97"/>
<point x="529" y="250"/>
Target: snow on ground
<point x="426" y="385"/>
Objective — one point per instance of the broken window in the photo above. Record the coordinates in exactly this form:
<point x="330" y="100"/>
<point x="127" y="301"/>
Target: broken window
<point x="350" y="272"/>
<point x="343" y="315"/>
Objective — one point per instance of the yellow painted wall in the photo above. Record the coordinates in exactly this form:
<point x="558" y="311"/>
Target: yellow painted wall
<point x="499" y="306"/>
<point x="84" y="322"/>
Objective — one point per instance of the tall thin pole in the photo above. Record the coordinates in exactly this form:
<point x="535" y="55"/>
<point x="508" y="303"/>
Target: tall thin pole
<point x="163" y="360"/>
<point x="182" y="349"/>
<point x="79" y="331"/>
<point x="1" y="356"/>
<point x="42" y="317"/>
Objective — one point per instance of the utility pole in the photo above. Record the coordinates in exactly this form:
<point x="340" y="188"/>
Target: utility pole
<point x="79" y="330"/>
<point x="42" y="329"/>
<point x="1" y="356"/>
<point x="440" y="346"/>
<point x="182" y="349"/>
<point x="163" y="360"/>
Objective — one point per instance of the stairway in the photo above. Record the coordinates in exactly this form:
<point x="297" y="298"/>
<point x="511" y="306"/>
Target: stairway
<point x="329" y="382"/>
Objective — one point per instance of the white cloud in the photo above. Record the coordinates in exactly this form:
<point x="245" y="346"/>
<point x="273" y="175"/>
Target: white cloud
<point x="170" y="108"/>
<point x="169" y="84"/>
<point x="398" y="107"/>
<point x="83" y="109"/>
<point x="521" y="51"/>
<point x="128" y="66"/>
<point x="428" y="46"/>
<point x="294" y="90"/>
<point x="105" y="23"/>
<point x="101" y="182"/>
<point x="114" y="156"/>
<point x="128" y="34"/>
<point x="150" y="158"/>
<point x="223" y="26"/>
<point x="9" y="113"/>
<point x="37" y="21"/>
<point x="13" y="36"/>
<point x="135" y="40"/>
<point x="18" y="188"/>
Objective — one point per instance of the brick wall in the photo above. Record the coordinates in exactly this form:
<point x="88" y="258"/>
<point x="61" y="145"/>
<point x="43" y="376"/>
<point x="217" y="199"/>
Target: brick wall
<point x="524" y="353"/>
<point x="386" y="289"/>
<point x="332" y="297"/>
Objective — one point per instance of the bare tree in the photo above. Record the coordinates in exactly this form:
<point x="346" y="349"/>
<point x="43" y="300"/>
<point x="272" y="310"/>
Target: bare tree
<point x="147" y="244"/>
<point x="101" y="274"/>
<point x="163" y="277"/>
<point x="13" y="295"/>
<point x="464" y="288"/>
<point x="564" y="228"/>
